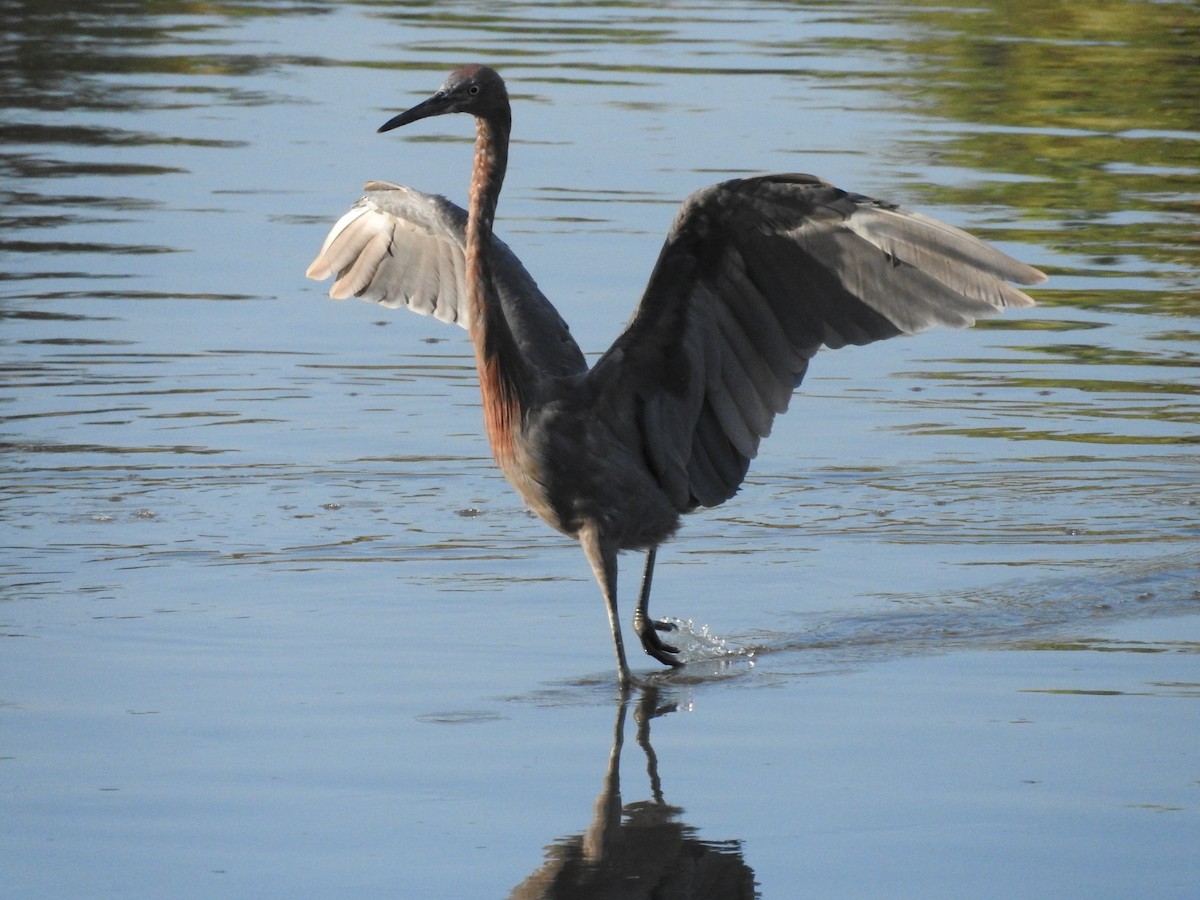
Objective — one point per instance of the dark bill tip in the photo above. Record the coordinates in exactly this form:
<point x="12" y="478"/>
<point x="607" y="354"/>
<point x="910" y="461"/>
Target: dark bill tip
<point x="435" y="105"/>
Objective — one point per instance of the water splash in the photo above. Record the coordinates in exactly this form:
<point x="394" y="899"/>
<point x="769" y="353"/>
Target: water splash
<point x="701" y="645"/>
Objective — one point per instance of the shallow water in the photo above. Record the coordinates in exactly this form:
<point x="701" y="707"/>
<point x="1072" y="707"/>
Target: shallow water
<point x="274" y="625"/>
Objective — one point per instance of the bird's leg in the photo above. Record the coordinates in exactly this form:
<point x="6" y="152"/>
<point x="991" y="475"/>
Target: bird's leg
<point x="603" y="559"/>
<point x="648" y="630"/>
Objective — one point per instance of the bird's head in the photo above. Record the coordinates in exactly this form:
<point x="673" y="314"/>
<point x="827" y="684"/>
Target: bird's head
<point x="475" y="89"/>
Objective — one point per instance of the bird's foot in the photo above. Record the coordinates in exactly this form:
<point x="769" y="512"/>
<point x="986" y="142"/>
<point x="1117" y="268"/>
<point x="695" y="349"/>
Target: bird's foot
<point x="647" y="632"/>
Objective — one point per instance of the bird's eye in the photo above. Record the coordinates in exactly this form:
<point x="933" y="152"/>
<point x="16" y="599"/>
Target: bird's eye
<point x="473" y="90"/>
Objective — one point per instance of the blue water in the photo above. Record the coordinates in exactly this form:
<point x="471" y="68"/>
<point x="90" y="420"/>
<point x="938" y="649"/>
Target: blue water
<point x="274" y="625"/>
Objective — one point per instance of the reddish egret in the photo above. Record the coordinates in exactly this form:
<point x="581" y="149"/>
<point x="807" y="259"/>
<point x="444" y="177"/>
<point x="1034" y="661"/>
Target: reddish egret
<point x="755" y="276"/>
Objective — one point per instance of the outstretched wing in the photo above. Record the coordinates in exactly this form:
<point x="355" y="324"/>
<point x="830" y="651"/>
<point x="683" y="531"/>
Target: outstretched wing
<point x="755" y="276"/>
<point x="400" y="247"/>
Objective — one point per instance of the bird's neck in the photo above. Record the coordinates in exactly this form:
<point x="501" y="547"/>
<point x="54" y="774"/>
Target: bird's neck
<point x="501" y="368"/>
<point x="491" y="162"/>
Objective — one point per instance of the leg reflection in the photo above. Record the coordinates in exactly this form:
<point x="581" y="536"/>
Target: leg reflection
<point x="639" y="849"/>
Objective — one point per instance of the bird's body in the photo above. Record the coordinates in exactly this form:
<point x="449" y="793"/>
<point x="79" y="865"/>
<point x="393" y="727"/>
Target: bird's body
<point x="755" y="276"/>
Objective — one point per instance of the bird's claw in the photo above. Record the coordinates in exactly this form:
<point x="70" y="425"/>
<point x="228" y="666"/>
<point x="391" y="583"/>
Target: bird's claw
<point x="648" y="631"/>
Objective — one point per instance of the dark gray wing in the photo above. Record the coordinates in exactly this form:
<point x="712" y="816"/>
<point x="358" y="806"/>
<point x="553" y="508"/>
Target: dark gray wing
<point x="755" y="276"/>
<point x="400" y="247"/>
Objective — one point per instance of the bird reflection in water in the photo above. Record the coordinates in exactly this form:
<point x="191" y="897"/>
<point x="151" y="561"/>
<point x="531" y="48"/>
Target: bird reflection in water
<point x="639" y="850"/>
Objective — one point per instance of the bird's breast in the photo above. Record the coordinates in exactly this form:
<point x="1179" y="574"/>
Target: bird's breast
<point x="571" y="468"/>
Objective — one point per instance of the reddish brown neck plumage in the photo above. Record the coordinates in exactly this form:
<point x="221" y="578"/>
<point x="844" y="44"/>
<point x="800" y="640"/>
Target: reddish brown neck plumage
<point x="496" y="354"/>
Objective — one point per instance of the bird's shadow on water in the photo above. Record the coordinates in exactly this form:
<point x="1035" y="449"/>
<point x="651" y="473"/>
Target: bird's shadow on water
<point x="639" y="849"/>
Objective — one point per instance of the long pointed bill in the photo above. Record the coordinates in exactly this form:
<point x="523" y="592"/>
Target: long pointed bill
<point x="436" y="105"/>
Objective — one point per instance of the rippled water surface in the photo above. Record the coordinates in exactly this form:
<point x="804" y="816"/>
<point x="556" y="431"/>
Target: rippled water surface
<point x="272" y="624"/>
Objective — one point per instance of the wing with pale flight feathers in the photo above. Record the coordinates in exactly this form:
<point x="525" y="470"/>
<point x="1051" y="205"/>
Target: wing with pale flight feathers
<point x="400" y="247"/>
<point x="755" y="276"/>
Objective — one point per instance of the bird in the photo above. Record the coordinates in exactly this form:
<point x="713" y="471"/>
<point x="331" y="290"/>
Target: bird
<point x="755" y="276"/>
